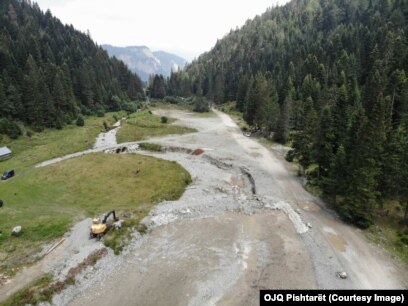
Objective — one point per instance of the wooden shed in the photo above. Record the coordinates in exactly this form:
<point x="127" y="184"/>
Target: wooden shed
<point x="5" y="153"/>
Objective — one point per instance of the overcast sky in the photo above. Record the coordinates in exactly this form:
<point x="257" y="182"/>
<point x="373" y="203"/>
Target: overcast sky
<point x="185" y="27"/>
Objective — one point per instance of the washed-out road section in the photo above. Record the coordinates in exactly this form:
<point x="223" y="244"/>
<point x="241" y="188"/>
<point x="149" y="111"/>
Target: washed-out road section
<point x="245" y="223"/>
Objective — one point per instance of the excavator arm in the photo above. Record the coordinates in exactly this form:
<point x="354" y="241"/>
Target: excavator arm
<point x="105" y="219"/>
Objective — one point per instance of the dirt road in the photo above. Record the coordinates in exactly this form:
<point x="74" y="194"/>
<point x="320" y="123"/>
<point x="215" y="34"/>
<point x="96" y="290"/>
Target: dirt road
<point x="108" y="139"/>
<point x="74" y="248"/>
<point x="221" y="242"/>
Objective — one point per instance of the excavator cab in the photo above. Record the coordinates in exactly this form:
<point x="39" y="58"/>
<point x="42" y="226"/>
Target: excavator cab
<point x="100" y="228"/>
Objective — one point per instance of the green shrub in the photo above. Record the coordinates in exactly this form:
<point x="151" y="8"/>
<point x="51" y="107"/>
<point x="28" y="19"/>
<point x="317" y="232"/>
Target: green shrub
<point x="164" y="119"/>
<point x="403" y="237"/>
<point x="201" y="105"/>
<point x="130" y="107"/>
<point x="172" y="100"/>
<point x="80" y="121"/>
<point x="100" y="113"/>
<point x="290" y="156"/>
<point x="9" y="128"/>
<point x="115" y="104"/>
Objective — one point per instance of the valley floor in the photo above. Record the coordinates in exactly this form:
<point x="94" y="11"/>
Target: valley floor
<point x="244" y="224"/>
<point x="221" y="242"/>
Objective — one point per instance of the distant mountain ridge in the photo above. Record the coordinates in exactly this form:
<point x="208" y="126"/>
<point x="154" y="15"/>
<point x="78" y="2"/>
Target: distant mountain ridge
<point x="144" y="62"/>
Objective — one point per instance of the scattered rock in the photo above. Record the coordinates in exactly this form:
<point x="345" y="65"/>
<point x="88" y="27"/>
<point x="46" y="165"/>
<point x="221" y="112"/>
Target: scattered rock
<point x="185" y="211"/>
<point x="118" y="224"/>
<point x="342" y="275"/>
<point x="16" y="230"/>
<point x="298" y="211"/>
<point x="309" y="225"/>
<point x="221" y="189"/>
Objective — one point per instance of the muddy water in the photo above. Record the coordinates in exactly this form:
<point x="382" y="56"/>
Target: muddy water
<point x="337" y="242"/>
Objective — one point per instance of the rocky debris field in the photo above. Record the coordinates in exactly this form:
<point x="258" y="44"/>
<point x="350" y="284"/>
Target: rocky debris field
<point x="244" y="224"/>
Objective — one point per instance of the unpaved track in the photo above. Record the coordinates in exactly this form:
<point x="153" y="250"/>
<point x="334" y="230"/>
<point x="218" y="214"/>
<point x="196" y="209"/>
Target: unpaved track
<point x="107" y="139"/>
<point x="72" y="251"/>
<point x="220" y="244"/>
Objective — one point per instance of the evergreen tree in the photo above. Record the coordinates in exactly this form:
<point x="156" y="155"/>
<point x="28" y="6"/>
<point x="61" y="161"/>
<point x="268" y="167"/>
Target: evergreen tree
<point x="282" y="130"/>
<point x="157" y="87"/>
<point x="6" y="109"/>
<point x="341" y="117"/>
<point x="336" y="182"/>
<point x="303" y="141"/>
<point x="242" y="93"/>
<point x="325" y="142"/>
<point x="361" y="195"/>
<point x="267" y="114"/>
<point x="14" y="106"/>
<point x="403" y="177"/>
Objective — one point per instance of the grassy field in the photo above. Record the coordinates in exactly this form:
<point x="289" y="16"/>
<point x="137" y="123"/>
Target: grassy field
<point x="142" y="125"/>
<point x="54" y="143"/>
<point x="182" y="107"/>
<point x="166" y="105"/>
<point x="46" y="201"/>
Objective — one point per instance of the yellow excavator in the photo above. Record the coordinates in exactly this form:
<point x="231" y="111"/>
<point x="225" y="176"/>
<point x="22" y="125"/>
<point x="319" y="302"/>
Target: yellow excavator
<point x="101" y="227"/>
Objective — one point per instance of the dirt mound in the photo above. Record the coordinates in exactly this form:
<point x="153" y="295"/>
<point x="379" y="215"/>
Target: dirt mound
<point x="197" y="152"/>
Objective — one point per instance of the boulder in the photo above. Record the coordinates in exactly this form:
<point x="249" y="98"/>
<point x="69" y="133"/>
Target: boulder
<point x="342" y="275"/>
<point x="16" y="230"/>
<point x="118" y="224"/>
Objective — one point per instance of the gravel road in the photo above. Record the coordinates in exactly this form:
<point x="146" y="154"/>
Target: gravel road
<point x="245" y="224"/>
<point x="108" y="139"/>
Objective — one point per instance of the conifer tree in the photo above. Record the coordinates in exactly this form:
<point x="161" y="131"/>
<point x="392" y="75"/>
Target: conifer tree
<point x="325" y="142"/>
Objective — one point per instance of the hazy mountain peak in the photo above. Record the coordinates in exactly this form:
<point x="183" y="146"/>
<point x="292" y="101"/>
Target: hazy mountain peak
<point x="144" y="62"/>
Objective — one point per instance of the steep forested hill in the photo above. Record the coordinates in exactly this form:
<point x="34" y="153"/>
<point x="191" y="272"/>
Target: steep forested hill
<point x="50" y="72"/>
<point x="333" y="73"/>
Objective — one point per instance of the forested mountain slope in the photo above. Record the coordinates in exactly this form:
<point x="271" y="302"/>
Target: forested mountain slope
<point x="50" y="72"/>
<point x="333" y="75"/>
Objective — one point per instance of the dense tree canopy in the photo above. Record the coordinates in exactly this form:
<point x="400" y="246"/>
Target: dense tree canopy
<point x="334" y="74"/>
<point x="50" y="72"/>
